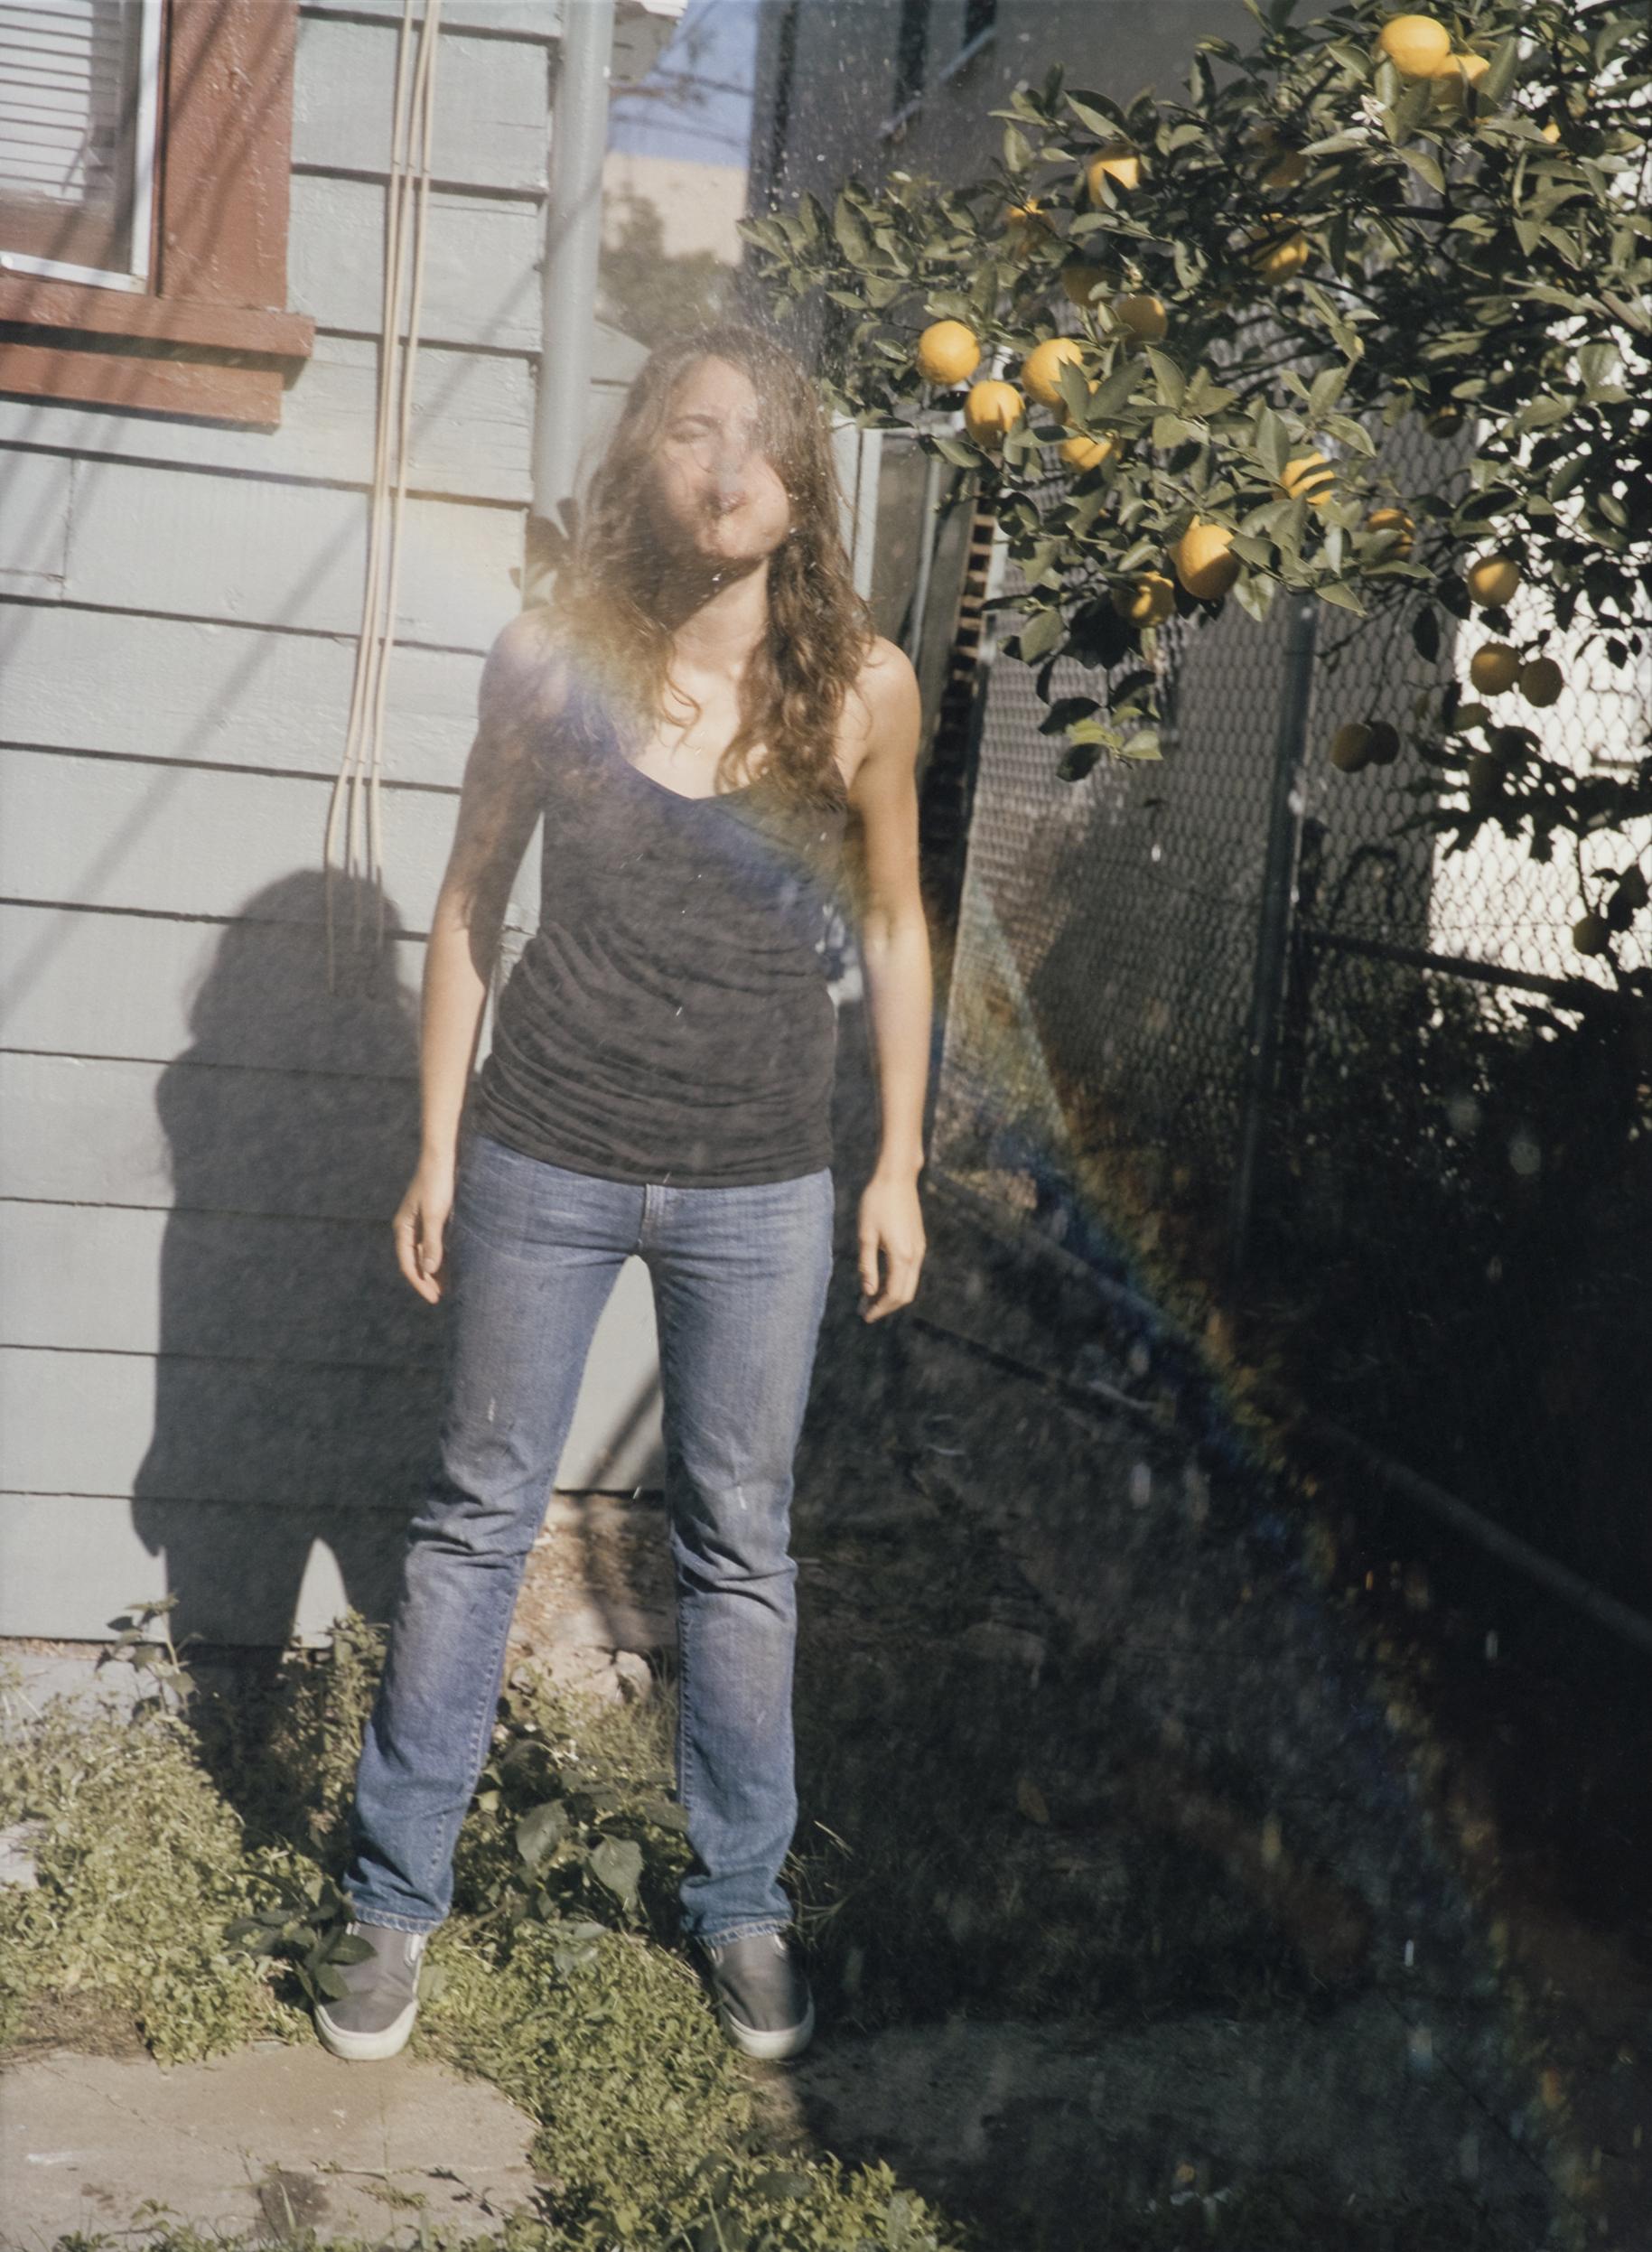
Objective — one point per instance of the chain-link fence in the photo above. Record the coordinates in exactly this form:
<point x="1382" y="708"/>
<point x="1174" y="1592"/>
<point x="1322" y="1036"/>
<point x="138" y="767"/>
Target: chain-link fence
<point x="1255" y="1008"/>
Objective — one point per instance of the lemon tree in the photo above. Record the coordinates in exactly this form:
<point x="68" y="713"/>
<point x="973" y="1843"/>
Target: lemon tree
<point x="1364" y="222"/>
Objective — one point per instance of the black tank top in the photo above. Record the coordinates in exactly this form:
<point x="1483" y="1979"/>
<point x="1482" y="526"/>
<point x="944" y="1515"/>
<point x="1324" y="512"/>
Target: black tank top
<point x="668" y="1021"/>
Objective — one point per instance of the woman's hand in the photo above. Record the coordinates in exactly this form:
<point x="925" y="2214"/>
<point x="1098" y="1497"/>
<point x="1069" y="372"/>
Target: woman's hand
<point x="891" y="1226"/>
<point x="421" y="1224"/>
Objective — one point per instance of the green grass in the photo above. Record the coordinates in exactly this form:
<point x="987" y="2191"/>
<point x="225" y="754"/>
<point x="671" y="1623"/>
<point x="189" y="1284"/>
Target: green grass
<point x="553" y="1979"/>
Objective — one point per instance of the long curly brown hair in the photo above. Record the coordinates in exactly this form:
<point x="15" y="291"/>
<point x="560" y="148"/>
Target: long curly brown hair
<point x="605" y="612"/>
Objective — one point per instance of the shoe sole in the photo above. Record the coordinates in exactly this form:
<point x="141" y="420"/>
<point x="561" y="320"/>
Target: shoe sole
<point x="367" y="2047"/>
<point x="790" y="2040"/>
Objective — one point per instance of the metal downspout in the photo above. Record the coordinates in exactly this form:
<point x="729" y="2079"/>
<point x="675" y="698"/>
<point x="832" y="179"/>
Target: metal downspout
<point x="572" y="249"/>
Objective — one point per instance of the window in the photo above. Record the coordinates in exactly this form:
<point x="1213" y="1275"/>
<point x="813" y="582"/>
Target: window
<point x="79" y="84"/>
<point x="911" y="51"/>
<point x="973" y="22"/>
<point x="145" y="152"/>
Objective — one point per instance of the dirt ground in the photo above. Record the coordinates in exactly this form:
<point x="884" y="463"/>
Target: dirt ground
<point x="1372" y="1987"/>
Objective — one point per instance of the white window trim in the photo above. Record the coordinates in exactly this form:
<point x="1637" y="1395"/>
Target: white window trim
<point x="135" y="278"/>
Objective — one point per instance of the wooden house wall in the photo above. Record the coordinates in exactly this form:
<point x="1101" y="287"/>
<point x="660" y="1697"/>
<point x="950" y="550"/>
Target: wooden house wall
<point x="211" y="1382"/>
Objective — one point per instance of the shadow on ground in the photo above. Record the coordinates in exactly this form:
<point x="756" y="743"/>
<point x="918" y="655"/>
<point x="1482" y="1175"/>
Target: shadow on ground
<point x="1119" y="1893"/>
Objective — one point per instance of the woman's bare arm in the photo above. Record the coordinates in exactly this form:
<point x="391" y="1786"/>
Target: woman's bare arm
<point x="895" y="956"/>
<point x="498" y="806"/>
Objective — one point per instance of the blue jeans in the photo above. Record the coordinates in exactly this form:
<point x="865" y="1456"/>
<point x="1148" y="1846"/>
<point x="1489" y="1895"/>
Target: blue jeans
<point x="739" y="1281"/>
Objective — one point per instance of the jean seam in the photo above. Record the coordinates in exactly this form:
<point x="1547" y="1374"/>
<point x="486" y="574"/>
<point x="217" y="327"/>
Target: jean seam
<point x="745" y="1932"/>
<point x="387" y="1919"/>
<point x="481" y="1736"/>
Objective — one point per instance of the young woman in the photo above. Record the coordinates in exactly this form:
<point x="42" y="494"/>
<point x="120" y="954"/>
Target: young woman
<point x="703" y="716"/>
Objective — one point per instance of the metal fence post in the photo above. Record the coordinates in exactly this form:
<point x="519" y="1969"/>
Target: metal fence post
<point x="1262" y="1031"/>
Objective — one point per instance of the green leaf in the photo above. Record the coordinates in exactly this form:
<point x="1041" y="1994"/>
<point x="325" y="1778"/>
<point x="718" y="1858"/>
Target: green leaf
<point x="1066" y="712"/>
<point x="1500" y="77"/>
<point x="540" y="1831"/>
<point x="1089" y="110"/>
<point x="1039" y="636"/>
<point x="616" y="1864"/>
<point x="1172" y="384"/>
<point x="1273" y="442"/>
<point x="1017" y="152"/>
<point x="1328" y="388"/>
<point x="1078" y="759"/>
<point x="1344" y="597"/>
<point x="852" y="237"/>
<point x="1425" y="634"/>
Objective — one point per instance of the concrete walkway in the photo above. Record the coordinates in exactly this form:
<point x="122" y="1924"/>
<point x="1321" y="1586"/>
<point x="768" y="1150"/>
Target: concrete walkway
<point x="266" y="2143"/>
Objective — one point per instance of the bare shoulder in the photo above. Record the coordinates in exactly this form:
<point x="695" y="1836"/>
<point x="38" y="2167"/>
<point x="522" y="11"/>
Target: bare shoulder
<point x="524" y="679"/>
<point x="886" y="681"/>
<point x="886" y="710"/>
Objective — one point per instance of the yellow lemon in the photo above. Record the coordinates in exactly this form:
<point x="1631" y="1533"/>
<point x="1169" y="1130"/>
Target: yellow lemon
<point x="1309" y="477"/>
<point x="1350" y="747"/>
<point x="990" y="410"/>
<point x="1443" y="420"/>
<point x="947" y="352"/>
<point x="1119" y="163"/>
<point x="1143" y="315"/>
<point x="1589" y="934"/>
<point x="1145" y="600"/>
<point x="1492" y="581"/>
<point x="1397" y="522"/>
<point x="1384" y="747"/>
<point x="1024" y="223"/>
<point x="1285" y="166"/>
<point x="1079" y="282"/>
<point x="1549" y="132"/>
<point x="1041" y="370"/>
<point x="1204" y="561"/>
<point x="1540" y="682"/>
<point x="1494" y="668"/>
<point x="1083" y="452"/>
<point x="1277" y="255"/>
<point x="1453" y="81"/>
<point x="1418" y="46"/>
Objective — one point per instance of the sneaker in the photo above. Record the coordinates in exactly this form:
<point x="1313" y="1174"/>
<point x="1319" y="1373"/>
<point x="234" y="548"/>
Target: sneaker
<point x="761" y="1995"/>
<point x="374" y="2017"/>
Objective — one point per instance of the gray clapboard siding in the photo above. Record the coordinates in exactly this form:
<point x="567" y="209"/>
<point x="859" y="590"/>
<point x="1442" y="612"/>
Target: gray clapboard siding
<point x="492" y="103"/>
<point x="34" y="490"/>
<point x="212" y="1286"/>
<point x="234" y="547"/>
<point x="267" y="1433"/>
<point x="196" y="841"/>
<point x="71" y="1563"/>
<point x="482" y="282"/>
<point x="211" y="1137"/>
<point x="472" y="430"/>
<point x="293" y="1435"/>
<point x="521" y="19"/>
<point x="222" y="694"/>
<point x="148" y="988"/>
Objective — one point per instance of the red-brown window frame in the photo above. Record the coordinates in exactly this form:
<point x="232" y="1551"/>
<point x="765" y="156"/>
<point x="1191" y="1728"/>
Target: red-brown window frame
<point x="211" y="338"/>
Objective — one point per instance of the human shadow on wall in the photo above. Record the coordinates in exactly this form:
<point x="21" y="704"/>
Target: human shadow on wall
<point x="296" y="1381"/>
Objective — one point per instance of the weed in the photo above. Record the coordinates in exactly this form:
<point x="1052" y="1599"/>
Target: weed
<point x="202" y="1922"/>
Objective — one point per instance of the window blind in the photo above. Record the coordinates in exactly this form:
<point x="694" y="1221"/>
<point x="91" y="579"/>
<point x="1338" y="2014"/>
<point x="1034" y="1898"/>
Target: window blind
<point x="78" y="115"/>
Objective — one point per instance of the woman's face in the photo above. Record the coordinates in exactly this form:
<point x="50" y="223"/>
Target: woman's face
<point x="714" y="489"/>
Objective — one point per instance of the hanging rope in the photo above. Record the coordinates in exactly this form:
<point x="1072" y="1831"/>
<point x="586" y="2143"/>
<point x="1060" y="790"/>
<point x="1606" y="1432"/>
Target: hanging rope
<point x="355" y="805"/>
